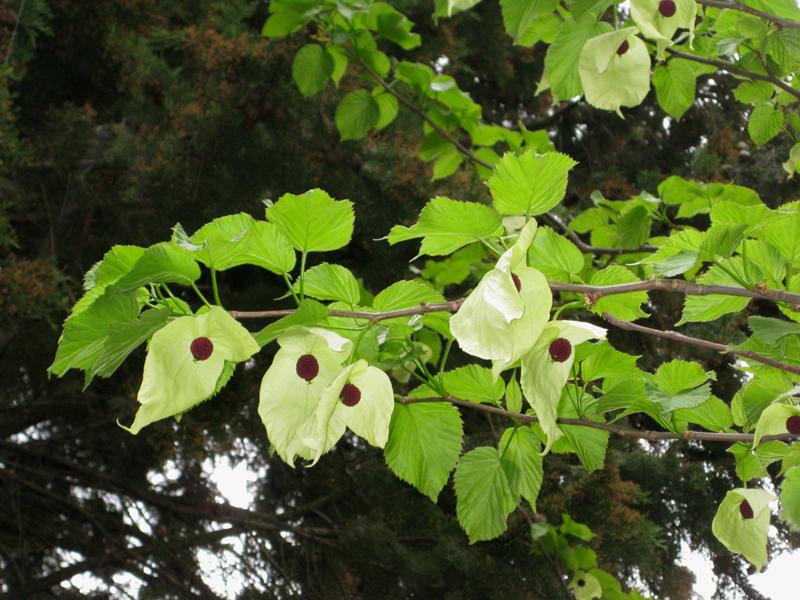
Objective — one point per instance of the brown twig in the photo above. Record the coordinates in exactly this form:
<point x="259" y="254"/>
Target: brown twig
<point x="666" y="285"/>
<point x="642" y="434"/>
<point x="584" y="247"/>
<point x="677" y="285"/>
<point x="789" y="24"/>
<point x="732" y="68"/>
<point x="466" y="152"/>
<point x="701" y="343"/>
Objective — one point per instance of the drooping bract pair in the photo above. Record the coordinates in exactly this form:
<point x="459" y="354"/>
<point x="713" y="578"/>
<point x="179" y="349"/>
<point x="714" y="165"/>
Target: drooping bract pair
<point x="309" y="397"/>
<point x="506" y="320"/>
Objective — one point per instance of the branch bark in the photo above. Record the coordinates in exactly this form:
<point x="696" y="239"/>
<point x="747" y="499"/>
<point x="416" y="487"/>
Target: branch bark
<point x="781" y="22"/>
<point x="596" y="291"/>
<point x="701" y="343"/>
<point x="732" y="68"/>
<point x="642" y="434"/>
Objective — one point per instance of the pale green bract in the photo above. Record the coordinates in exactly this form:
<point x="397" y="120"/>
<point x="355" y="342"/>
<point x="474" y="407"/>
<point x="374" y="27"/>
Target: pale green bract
<point x="773" y="421"/>
<point x="287" y="401"/>
<point x="173" y="381"/>
<point x="498" y="323"/>
<point x="611" y="80"/>
<point x="656" y="27"/>
<point x="543" y="378"/>
<point x="368" y="419"/>
<point x="744" y="536"/>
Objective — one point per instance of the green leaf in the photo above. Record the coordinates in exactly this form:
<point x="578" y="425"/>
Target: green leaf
<point x="588" y="443"/>
<point x="124" y="338"/>
<point x="713" y="415"/>
<point x="160" y="263"/>
<point x="405" y="294"/>
<point x="483" y="493"/>
<point x="313" y="221"/>
<point x="623" y="306"/>
<point x="765" y="123"/>
<point x="633" y="228"/>
<point x="753" y="92"/>
<point x="520" y="456"/>
<point x="713" y="306"/>
<point x="84" y="335"/>
<point x="611" y="80"/>
<point x="447" y="163"/>
<point x="311" y="68"/>
<point x="309" y="312"/>
<point x="174" y="380"/>
<point x="741" y="535"/>
<point x="116" y="263"/>
<point x="513" y="395"/>
<point x="393" y="26"/>
<point x="675" y="87"/>
<point x="563" y="56"/>
<point x="221" y="244"/>
<point x="676" y="376"/>
<point x="529" y="184"/>
<point x="473" y="383"/>
<point x="555" y="256"/>
<point x="388" y="106"/>
<point x="772" y="330"/>
<point x="783" y="233"/>
<point x="268" y="249"/>
<point x="575" y="529"/>
<point x="331" y="282"/>
<point x="519" y="16"/>
<point x="340" y="61"/>
<point x="753" y="397"/>
<point x="721" y="241"/>
<point x="356" y="115"/>
<point x="446" y="225"/>
<point x="424" y="444"/>
<point x="790" y="498"/>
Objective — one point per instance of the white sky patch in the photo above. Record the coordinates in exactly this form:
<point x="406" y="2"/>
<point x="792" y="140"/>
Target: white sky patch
<point x="232" y="480"/>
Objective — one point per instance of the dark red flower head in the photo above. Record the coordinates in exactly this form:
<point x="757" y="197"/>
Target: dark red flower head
<point x="351" y="395"/>
<point x="667" y="8"/>
<point x="793" y="424"/>
<point x="201" y="348"/>
<point x="560" y="349"/>
<point x="581" y="582"/>
<point x="517" y="282"/>
<point x="307" y="367"/>
<point x="623" y="48"/>
<point x="746" y="510"/>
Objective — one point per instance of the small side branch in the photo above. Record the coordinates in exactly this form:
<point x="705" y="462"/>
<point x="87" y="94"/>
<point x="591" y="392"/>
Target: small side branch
<point x="732" y="68"/>
<point x="596" y="291"/>
<point x="680" y="286"/>
<point x="787" y="23"/>
<point x="642" y="434"/>
<point x="701" y="343"/>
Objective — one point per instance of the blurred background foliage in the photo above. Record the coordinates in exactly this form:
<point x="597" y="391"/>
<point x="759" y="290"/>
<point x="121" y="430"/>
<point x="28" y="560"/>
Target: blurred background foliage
<point x="120" y="118"/>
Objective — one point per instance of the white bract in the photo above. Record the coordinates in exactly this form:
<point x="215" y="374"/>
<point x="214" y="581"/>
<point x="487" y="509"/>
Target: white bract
<point x="497" y="322"/>
<point x="360" y="398"/>
<point x="307" y="403"/>
<point x="184" y="361"/>
<point x="611" y="77"/>
<point x="543" y="376"/>
<point x="287" y="400"/>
